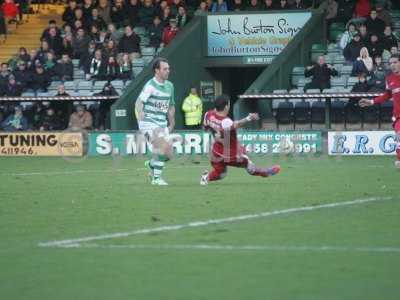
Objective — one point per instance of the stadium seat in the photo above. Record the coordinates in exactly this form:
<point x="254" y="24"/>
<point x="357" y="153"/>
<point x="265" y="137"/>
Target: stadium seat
<point x="84" y="93"/>
<point x="128" y="82"/>
<point x="386" y="112"/>
<point x="352" y="114"/>
<point x="84" y="85"/>
<point x="333" y="49"/>
<point x="117" y="84"/>
<point x="137" y="70"/>
<point x="147" y="59"/>
<point x="317" y="50"/>
<point x="28" y="94"/>
<point x="303" y="81"/>
<point x="275" y="102"/>
<point x="140" y="30"/>
<point x="318" y="112"/>
<point x="43" y="94"/>
<point x="138" y="62"/>
<point x="346" y="70"/>
<point x="370" y="114"/>
<point x="70" y="85"/>
<point x="339" y="59"/>
<point x="98" y="85"/>
<point x="338" y="81"/>
<point x="351" y="81"/>
<point x="148" y="51"/>
<point x="329" y="58"/>
<point x="337" y="111"/>
<point x="302" y="112"/>
<point x="297" y="73"/>
<point x="284" y="114"/>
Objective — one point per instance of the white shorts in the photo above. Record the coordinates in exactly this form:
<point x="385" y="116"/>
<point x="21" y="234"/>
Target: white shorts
<point x="152" y="131"/>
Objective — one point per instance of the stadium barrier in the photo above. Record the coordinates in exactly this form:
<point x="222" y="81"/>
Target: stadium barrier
<point x="58" y="98"/>
<point x="327" y="97"/>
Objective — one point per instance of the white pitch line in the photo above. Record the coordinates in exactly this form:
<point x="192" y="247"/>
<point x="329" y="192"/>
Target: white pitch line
<point x="195" y="224"/>
<point x="279" y="248"/>
<point x="71" y="172"/>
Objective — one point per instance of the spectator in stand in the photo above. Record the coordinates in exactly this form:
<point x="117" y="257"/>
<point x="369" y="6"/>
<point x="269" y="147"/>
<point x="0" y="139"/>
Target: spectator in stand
<point x="130" y="43"/>
<point x="102" y="116"/>
<point x="255" y="6"/>
<point x="321" y="75"/>
<point x="345" y="10"/>
<point x="66" y="30"/>
<point x="43" y="50"/>
<point x="155" y="32"/>
<point x="87" y="8"/>
<point x="364" y="34"/>
<point x="298" y="4"/>
<point x="104" y="9"/>
<point x="388" y="39"/>
<point x="378" y="73"/>
<point x="23" y="55"/>
<point x="160" y="8"/>
<point x="331" y="13"/>
<point x="125" y="67"/>
<point x="68" y="15"/>
<point x="96" y="67"/>
<point x="94" y="34"/>
<point x="96" y="20"/>
<point x="40" y="79"/>
<point x="238" y="5"/>
<point x="81" y="119"/>
<point x="166" y="16"/>
<point x="67" y="47"/>
<point x="32" y="60"/>
<point x="383" y="14"/>
<point x="88" y="55"/>
<point x="78" y="16"/>
<point x="52" y="25"/>
<point x="113" y="33"/>
<point x="362" y="9"/>
<point x="175" y="6"/>
<point x="64" y="69"/>
<point x="170" y="32"/>
<point x="132" y="10"/>
<point x="54" y="41"/>
<point x="348" y="35"/>
<point x="22" y="75"/>
<point x="112" y="69"/>
<point x="374" y="24"/>
<point x="218" y="6"/>
<point x="4" y="74"/>
<point x="387" y="54"/>
<point x="13" y="88"/>
<point x="183" y="18"/>
<point x="363" y="64"/>
<point x="80" y="43"/>
<point x="118" y="13"/>
<point x="352" y="50"/>
<point x="50" y="121"/>
<point x="352" y="109"/>
<point x="110" y="49"/>
<point x="283" y="4"/>
<point x="375" y="46"/>
<point x="49" y="64"/>
<point x="61" y="91"/>
<point x="146" y="13"/>
<point x="62" y="107"/>
<point x="16" y="121"/>
<point x="10" y="11"/>
<point x="78" y="25"/>
<point x="203" y="8"/>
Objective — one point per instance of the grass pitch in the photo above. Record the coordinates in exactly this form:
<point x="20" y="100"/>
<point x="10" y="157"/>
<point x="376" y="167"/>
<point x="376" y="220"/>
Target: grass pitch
<point x="338" y="252"/>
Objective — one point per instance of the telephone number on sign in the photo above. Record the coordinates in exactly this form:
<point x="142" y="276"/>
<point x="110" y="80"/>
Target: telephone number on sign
<point x="17" y="151"/>
<point x="276" y="148"/>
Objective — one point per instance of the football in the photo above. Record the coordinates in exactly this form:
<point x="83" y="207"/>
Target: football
<point x="286" y="145"/>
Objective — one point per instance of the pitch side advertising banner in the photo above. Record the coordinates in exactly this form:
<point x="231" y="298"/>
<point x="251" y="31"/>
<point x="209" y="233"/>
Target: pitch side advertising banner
<point x="362" y="143"/>
<point x="41" y="144"/>
<point x="198" y="142"/>
<point x="252" y="34"/>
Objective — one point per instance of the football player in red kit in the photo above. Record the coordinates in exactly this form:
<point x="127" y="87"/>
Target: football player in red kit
<point x="226" y="150"/>
<point x="392" y="92"/>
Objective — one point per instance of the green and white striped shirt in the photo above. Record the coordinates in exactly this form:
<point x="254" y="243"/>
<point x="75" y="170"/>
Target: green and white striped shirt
<point x="157" y="98"/>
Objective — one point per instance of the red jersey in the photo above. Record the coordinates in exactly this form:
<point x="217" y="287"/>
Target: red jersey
<point x="225" y="144"/>
<point x="392" y="91"/>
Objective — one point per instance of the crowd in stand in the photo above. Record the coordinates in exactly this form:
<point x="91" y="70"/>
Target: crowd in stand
<point x="101" y="35"/>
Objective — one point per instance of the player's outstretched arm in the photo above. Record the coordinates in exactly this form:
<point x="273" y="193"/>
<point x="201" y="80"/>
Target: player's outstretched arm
<point x="366" y="102"/>
<point x="139" y="110"/>
<point x="250" y="118"/>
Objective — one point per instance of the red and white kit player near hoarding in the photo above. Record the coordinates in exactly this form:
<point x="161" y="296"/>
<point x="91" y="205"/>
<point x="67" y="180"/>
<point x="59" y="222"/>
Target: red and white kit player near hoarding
<point x="392" y="92"/>
<point x="226" y="150"/>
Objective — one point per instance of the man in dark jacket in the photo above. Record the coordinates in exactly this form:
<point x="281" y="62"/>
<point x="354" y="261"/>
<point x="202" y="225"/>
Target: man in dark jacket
<point x="374" y="24"/>
<point x="130" y="43"/>
<point x="321" y="75"/>
<point x="156" y="32"/>
<point x="64" y="69"/>
<point x="352" y="50"/>
<point x="40" y="79"/>
<point x="22" y="75"/>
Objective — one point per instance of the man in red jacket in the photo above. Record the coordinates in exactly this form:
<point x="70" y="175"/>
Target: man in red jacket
<point x="10" y="10"/>
<point x="392" y="92"/>
<point x="170" y="32"/>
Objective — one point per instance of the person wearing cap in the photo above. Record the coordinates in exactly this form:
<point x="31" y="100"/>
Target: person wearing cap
<point x="13" y="88"/>
<point x="352" y="50"/>
<point x="170" y="32"/>
<point x="81" y="119"/>
<point x="16" y="121"/>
